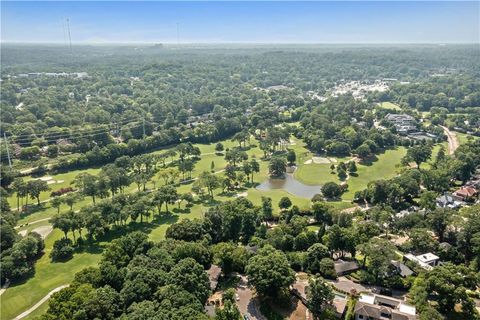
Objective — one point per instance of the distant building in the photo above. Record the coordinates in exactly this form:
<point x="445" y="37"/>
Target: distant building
<point x="378" y="307"/>
<point x="404" y="123"/>
<point x="427" y="260"/>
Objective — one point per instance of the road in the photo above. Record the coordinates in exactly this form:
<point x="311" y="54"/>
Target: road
<point x="452" y="140"/>
<point x="39" y="303"/>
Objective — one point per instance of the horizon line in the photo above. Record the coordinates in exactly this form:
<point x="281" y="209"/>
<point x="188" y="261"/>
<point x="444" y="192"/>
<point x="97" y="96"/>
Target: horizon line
<point x="173" y="43"/>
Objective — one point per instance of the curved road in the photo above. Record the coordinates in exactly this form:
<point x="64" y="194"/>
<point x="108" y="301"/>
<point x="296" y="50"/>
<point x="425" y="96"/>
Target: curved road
<point x="452" y="140"/>
<point x="39" y="303"/>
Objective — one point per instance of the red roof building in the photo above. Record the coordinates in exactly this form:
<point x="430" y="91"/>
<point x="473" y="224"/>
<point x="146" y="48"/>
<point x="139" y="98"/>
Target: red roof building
<point x="466" y="193"/>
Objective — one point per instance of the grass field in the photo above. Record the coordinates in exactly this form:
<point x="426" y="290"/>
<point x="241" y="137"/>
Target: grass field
<point x="50" y="275"/>
<point x="388" y="105"/>
<point x="385" y="167"/>
<point x="463" y="137"/>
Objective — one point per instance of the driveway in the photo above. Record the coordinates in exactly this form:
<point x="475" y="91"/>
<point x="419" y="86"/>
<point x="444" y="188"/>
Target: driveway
<point x="247" y="303"/>
<point x="346" y="285"/>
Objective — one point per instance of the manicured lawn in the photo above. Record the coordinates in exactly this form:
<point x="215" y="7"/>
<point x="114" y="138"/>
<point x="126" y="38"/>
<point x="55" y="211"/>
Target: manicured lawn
<point x="315" y="174"/>
<point x="388" y="105"/>
<point x="18" y="298"/>
<point x="385" y="167"/>
<point x="64" y="180"/>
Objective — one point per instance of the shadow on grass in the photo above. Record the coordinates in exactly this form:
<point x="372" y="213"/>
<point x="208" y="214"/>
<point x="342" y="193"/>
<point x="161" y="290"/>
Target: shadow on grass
<point x="31" y="209"/>
<point x="369" y="160"/>
<point x="180" y="210"/>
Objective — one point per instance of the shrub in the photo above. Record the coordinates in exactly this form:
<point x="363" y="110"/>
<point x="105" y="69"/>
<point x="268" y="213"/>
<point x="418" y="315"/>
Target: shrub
<point x="62" y="250"/>
<point x="61" y="191"/>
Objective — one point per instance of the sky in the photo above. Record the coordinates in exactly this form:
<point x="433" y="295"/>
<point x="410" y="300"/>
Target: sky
<point x="241" y="22"/>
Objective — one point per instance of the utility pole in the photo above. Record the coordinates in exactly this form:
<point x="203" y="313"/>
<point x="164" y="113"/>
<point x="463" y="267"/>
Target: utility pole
<point x="8" y="152"/>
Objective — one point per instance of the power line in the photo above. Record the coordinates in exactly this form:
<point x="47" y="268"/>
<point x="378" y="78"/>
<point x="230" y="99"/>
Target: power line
<point x="92" y="130"/>
<point x="80" y="136"/>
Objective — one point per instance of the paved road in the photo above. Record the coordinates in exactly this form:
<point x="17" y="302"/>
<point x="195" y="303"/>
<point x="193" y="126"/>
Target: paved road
<point x="344" y="284"/>
<point x="452" y="140"/>
<point x="39" y="303"/>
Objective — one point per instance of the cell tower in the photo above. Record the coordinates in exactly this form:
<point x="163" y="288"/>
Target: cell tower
<point x="69" y="36"/>
<point x="64" y="29"/>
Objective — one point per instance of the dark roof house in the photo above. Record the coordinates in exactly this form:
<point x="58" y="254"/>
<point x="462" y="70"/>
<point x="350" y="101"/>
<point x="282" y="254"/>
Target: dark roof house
<point x="344" y="267"/>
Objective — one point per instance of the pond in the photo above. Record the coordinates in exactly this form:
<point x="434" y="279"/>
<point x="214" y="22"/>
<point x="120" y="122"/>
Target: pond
<point x="291" y="185"/>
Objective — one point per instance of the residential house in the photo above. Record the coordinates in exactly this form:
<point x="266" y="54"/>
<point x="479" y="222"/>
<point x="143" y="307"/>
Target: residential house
<point x="399" y="268"/>
<point x="345" y="267"/>
<point x="466" y="194"/>
<point x="404" y="123"/>
<point x="447" y="201"/>
<point x="427" y="260"/>
<point x="378" y="307"/>
<point x="213" y="274"/>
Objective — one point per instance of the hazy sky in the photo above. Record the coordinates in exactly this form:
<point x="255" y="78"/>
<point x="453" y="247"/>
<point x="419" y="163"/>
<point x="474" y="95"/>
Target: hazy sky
<point x="248" y="22"/>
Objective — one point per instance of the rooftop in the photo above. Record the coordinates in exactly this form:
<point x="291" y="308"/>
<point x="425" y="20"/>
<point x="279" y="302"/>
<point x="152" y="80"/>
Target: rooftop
<point x="376" y="306"/>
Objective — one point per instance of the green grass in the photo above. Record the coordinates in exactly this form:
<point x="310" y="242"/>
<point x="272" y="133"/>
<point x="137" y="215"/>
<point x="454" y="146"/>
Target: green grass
<point x="463" y="138"/>
<point x="64" y="179"/>
<point x="18" y="298"/>
<point x="385" y="167"/>
<point x="389" y="106"/>
<point x="48" y="275"/>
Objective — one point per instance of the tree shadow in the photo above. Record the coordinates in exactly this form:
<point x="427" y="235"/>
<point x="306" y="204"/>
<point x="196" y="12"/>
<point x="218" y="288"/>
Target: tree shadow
<point x="31" y="209"/>
<point x="368" y="161"/>
<point x="180" y="210"/>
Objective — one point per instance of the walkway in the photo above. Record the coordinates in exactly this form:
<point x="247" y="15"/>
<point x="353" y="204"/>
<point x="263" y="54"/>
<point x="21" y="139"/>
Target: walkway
<point x="39" y="303"/>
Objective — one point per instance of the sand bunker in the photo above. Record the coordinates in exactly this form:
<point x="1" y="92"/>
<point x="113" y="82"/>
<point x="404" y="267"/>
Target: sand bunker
<point x="320" y="160"/>
<point x="43" y="231"/>
<point x="308" y="161"/>
<point x="243" y="194"/>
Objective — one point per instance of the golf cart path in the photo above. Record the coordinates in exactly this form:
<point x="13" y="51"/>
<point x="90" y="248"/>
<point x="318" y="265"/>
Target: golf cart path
<point x="33" y="222"/>
<point x="39" y="303"/>
<point x="452" y="140"/>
